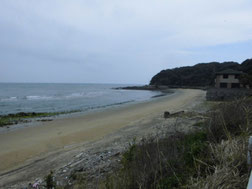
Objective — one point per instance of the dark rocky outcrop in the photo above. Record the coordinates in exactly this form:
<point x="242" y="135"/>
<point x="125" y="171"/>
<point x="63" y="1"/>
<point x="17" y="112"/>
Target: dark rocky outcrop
<point x="145" y="87"/>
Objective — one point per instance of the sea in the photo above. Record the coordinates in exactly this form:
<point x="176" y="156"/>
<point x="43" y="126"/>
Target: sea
<point x="51" y="97"/>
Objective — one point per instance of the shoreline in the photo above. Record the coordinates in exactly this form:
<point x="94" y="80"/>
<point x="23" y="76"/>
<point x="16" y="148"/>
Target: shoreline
<point x="51" y="116"/>
<point x="26" y="118"/>
<point x="161" y="88"/>
<point x="22" y="147"/>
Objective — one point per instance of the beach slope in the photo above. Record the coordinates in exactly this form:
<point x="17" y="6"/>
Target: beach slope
<point x="33" y="150"/>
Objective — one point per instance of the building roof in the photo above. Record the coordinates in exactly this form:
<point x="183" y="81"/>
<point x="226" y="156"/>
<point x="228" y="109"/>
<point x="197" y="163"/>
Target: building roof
<point x="229" y="71"/>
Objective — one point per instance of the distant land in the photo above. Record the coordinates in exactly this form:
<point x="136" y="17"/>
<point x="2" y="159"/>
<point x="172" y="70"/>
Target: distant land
<point x="199" y="75"/>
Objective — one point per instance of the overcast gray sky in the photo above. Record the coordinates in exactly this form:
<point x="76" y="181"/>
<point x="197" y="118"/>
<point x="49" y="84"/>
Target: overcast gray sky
<point x="118" y="41"/>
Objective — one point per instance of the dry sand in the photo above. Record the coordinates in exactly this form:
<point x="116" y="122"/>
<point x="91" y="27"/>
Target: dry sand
<point x="25" y="146"/>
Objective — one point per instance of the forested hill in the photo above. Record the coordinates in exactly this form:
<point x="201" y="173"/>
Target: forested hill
<point x="201" y="75"/>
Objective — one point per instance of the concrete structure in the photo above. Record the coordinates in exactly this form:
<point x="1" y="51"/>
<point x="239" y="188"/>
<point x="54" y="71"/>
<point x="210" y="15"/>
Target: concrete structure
<point x="228" y="79"/>
<point x="220" y="94"/>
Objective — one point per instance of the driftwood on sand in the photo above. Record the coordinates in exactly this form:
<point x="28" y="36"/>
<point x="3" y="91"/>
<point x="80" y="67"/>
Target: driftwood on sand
<point x="168" y="114"/>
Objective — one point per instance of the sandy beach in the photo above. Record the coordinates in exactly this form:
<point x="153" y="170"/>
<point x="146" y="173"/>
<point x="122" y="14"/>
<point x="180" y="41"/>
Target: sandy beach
<point x="22" y="148"/>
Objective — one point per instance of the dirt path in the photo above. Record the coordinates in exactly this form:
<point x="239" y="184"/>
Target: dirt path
<point x="32" y="152"/>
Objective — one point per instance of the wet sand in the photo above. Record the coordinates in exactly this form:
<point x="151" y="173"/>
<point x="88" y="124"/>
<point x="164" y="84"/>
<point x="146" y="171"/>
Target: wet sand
<point x="21" y="146"/>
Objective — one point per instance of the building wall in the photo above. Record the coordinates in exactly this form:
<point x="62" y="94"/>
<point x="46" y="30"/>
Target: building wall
<point x="220" y="79"/>
<point x="230" y="79"/>
<point x="217" y="81"/>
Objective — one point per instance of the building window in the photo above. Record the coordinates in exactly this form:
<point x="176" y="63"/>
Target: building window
<point x="225" y="76"/>
<point x="236" y="76"/>
<point x="223" y="85"/>
<point x="235" y="85"/>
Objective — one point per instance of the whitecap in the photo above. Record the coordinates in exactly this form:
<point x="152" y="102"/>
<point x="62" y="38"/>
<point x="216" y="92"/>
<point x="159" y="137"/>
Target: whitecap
<point x="38" y="97"/>
<point x="11" y="98"/>
<point x="95" y="94"/>
<point x="75" y="95"/>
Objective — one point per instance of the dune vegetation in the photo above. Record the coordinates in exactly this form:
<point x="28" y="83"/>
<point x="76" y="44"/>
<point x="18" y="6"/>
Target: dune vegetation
<point x="215" y="156"/>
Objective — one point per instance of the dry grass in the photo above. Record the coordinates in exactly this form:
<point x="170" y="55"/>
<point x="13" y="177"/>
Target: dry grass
<point x="230" y="119"/>
<point x="211" y="158"/>
<point x="228" y="130"/>
<point x="229" y="165"/>
<point x="159" y="163"/>
<point x="190" y="161"/>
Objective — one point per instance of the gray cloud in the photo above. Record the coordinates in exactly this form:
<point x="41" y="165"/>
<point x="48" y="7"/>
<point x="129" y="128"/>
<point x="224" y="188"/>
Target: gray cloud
<point x="104" y="41"/>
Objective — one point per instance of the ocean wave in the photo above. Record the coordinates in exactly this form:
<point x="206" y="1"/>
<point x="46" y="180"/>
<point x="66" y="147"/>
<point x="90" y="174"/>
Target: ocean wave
<point x="75" y="95"/>
<point x="8" y="99"/>
<point x="38" y="97"/>
<point x="86" y="94"/>
<point x="54" y="97"/>
<point x="95" y="94"/>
